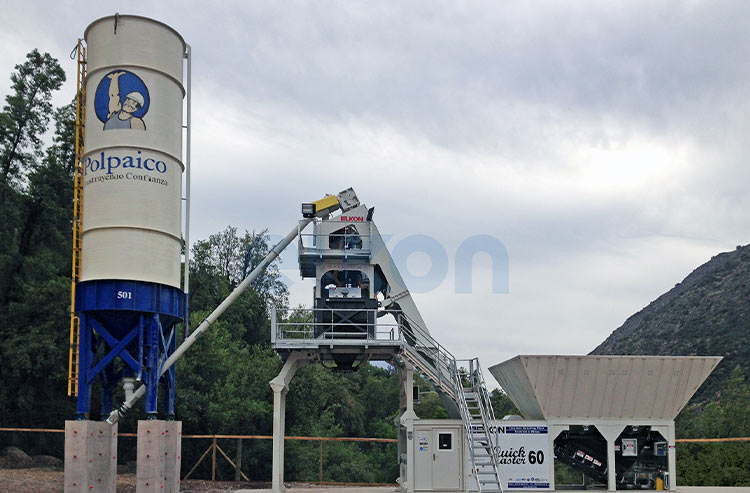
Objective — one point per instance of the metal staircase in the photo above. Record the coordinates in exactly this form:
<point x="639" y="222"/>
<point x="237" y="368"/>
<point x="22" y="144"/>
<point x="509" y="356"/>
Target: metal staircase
<point x="478" y="416"/>
<point x="80" y="52"/>
<point x="462" y="381"/>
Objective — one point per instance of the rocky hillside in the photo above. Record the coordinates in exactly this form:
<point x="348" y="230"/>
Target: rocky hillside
<point x="707" y="314"/>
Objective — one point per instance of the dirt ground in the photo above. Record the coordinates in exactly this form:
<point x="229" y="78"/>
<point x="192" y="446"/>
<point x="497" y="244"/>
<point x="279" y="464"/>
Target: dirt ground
<point x="51" y="481"/>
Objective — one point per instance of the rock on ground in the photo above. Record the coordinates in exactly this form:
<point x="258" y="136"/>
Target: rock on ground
<point x="15" y="458"/>
<point x="48" y="461"/>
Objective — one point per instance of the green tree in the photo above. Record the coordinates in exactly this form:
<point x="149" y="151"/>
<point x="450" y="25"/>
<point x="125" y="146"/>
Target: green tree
<point x="26" y="115"/>
<point x="36" y="280"/>
<point x="24" y="119"/>
<point x="231" y="257"/>
<point x="219" y="264"/>
<point x="728" y="416"/>
<point x="502" y="405"/>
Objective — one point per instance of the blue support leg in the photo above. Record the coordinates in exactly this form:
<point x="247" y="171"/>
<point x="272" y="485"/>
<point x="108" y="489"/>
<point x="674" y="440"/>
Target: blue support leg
<point x="171" y="377"/>
<point x="152" y="363"/>
<point x="139" y="377"/>
<point x="85" y="357"/>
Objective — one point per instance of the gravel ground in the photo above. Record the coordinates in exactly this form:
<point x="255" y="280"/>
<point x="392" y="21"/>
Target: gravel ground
<point x="51" y="481"/>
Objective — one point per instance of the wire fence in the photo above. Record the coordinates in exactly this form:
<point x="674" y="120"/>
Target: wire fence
<point x="322" y="460"/>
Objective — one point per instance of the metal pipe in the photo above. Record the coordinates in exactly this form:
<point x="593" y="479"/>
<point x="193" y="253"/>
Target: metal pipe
<point x="128" y="384"/>
<point x="275" y="252"/>
<point x="186" y="286"/>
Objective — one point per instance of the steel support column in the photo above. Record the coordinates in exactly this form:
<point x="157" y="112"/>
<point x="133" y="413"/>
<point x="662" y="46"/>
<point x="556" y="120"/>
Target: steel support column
<point x="153" y="342"/>
<point x="280" y="387"/>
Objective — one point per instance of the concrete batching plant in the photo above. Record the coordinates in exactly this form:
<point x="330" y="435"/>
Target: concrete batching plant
<point x="130" y="296"/>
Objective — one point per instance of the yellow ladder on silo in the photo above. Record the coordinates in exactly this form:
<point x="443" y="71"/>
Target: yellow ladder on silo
<point x="75" y="326"/>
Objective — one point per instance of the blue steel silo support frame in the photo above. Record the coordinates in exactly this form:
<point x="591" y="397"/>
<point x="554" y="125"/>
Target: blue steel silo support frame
<point x="119" y="319"/>
<point x="159" y="349"/>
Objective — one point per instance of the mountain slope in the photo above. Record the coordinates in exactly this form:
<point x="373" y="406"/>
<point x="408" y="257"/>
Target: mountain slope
<point x="707" y="314"/>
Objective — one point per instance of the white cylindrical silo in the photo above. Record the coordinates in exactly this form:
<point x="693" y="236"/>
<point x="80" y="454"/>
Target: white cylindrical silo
<point x="133" y="151"/>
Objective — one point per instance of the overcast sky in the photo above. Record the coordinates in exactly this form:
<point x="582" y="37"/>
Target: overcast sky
<point x="604" y="144"/>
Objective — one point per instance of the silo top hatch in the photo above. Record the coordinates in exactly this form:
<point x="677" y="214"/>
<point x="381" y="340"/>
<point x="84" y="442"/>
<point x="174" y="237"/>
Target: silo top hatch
<point x="602" y="387"/>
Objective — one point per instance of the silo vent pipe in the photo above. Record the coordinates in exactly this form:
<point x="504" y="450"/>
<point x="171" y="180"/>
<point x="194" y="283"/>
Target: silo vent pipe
<point x="275" y="252"/>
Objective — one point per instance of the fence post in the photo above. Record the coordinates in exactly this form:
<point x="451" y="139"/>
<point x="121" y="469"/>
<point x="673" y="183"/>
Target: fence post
<point x="320" y="463"/>
<point x="238" y="467"/>
<point x="213" y="460"/>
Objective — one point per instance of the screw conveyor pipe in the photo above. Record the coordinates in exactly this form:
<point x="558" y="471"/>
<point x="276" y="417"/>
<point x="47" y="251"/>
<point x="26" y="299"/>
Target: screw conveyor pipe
<point x="204" y="326"/>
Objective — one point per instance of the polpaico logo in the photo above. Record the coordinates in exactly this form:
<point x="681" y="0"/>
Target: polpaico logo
<point x="121" y="101"/>
<point x="102" y="161"/>
<point x="137" y="167"/>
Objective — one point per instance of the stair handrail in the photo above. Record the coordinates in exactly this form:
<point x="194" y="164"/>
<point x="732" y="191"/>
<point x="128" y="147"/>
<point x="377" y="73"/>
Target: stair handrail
<point x="442" y="360"/>
<point x="466" y="418"/>
<point x="488" y="418"/>
<point x="486" y="415"/>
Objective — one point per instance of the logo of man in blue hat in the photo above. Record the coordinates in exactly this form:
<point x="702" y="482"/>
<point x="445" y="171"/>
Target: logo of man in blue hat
<point x="121" y="101"/>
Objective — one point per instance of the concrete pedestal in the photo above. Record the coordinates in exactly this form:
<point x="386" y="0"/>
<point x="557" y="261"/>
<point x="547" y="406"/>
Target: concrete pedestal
<point x="90" y="457"/>
<point x="159" y="456"/>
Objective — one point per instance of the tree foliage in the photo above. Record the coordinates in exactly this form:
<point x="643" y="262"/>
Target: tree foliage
<point x="26" y="115"/>
<point x="35" y="202"/>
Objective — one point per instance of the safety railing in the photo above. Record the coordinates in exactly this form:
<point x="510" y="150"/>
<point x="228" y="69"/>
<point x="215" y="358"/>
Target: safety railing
<point x="355" y="240"/>
<point x="477" y="421"/>
<point x="302" y="325"/>
<point x="430" y="352"/>
<point x="318" y="325"/>
<point x="477" y="383"/>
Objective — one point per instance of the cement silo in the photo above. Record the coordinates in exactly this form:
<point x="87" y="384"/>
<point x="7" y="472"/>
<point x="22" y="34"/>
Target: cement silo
<point x="129" y="295"/>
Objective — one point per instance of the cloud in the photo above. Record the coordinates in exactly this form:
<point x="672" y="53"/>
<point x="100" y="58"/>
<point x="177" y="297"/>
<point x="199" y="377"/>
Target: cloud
<point x="603" y="144"/>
